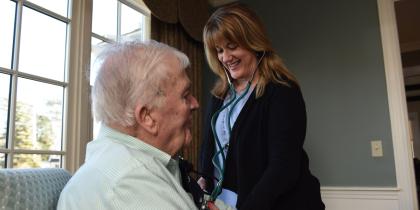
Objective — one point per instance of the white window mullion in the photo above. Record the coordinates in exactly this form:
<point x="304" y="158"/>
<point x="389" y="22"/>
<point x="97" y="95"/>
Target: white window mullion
<point x="138" y="6"/>
<point x="95" y="35"/>
<point x="118" y="21"/>
<point x="46" y="11"/>
<point x="13" y="87"/>
<point x="41" y="79"/>
<point x="33" y="77"/>
<point x="35" y="152"/>
<point x="64" y="137"/>
<point x="78" y="126"/>
<point x="6" y="71"/>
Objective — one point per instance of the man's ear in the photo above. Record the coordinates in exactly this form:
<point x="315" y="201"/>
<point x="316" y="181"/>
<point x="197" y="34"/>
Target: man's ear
<point x="145" y="120"/>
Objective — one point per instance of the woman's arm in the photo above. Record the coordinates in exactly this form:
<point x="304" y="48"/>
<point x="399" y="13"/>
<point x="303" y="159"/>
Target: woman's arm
<point x="207" y="147"/>
<point x="285" y="135"/>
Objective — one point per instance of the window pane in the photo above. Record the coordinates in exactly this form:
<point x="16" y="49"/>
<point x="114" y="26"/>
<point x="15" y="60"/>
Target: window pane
<point x="36" y="161"/>
<point x="2" y="160"/>
<point x="38" y="120"/>
<point x="57" y="6"/>
<point x="7" y="18"/>
<point x="97" y="46"/>
<point x="131" y="23"/>
<point x="4" y="101"/>
<point x="104" y="20"/>
<point x="43" y="45"/>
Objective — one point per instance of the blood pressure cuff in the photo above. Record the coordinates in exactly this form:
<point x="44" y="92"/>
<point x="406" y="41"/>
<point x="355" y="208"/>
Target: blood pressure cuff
<point x="189" y="183"/>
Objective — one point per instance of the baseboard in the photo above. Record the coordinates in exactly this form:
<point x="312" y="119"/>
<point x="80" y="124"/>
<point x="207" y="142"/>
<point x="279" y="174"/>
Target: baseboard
<point x="360" y="198"/>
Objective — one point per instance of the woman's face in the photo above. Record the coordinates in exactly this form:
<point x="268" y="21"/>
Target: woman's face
<point x="239" y="61"/>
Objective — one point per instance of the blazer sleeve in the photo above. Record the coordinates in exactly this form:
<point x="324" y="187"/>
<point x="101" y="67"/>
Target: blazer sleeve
<point x="286" y="130"/>
<point x="206" y="149"/>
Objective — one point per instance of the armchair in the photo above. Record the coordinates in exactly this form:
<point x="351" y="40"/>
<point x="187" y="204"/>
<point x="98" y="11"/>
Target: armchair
<point x="37" y="188"/>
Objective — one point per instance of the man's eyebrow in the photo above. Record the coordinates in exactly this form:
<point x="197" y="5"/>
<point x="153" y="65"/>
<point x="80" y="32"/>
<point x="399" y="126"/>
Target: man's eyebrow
<point x="187" y="87"/>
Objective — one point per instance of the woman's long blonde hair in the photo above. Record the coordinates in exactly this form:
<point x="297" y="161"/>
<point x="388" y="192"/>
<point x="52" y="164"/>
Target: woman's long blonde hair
<point x="238" y="24"/>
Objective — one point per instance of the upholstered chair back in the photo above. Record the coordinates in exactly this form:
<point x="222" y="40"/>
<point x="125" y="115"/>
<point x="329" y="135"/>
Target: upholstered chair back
<point x="31" y="188"/>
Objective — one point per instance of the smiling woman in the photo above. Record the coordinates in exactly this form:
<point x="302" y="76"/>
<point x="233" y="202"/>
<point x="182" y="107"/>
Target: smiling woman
<point x="254" y="141"/>
<point x="240" y="62"/>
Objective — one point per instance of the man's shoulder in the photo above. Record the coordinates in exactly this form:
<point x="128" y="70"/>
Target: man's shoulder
<point x="101" y="175"/>
<point x="114" y="156"/>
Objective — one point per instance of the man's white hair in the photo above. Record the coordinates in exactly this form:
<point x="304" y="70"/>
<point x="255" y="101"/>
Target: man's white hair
<point x="131" y="73"/>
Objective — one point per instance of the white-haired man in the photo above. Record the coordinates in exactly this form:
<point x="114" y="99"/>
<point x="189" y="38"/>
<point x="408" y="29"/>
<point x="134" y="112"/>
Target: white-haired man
<point x="142" y="96"/>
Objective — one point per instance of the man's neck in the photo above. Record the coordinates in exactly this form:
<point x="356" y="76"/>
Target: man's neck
<point x="131" y="131"/>
<point x="141" y="135"/>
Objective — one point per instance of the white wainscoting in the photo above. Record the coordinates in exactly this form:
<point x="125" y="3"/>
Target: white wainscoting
<point x="351" y="198"/>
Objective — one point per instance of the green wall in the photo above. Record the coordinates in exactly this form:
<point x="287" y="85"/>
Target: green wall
<point x="334" y="48"/>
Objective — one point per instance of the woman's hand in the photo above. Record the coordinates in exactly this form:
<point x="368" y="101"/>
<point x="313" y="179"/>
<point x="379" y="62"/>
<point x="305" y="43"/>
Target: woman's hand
<point x="202" y="183"/>
<point x="212" y="206"/>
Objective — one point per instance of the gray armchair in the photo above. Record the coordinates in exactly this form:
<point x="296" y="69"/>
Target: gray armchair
<point x="31" y="188"/>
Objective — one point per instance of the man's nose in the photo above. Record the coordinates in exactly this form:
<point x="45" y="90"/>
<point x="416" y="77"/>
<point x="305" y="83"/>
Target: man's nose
<point x="194" y="103"/>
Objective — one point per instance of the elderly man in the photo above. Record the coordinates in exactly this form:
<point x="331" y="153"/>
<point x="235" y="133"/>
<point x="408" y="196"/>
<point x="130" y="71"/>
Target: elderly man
<point x="142" y="96"/>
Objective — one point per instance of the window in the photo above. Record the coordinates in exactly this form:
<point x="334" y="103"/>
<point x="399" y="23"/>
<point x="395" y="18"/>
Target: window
<point x="33" y="82"/>
<point x="115" y="20"/>
<point x="44" y="91"/>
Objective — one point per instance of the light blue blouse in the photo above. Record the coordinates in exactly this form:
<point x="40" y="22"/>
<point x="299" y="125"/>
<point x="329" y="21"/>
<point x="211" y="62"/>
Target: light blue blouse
<point x="222" y="131"/>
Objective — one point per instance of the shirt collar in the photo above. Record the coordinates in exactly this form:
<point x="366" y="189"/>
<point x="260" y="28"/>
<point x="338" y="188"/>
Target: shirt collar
<point x="106" y="132"/>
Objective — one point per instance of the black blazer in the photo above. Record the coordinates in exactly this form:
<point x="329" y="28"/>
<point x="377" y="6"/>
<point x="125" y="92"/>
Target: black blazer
<point x="266" y="164"/>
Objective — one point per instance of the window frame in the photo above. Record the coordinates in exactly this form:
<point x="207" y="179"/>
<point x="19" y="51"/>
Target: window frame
<point x="10" y="151"/>
<point x="77" y="123"/>
<point x="139" y="7"/>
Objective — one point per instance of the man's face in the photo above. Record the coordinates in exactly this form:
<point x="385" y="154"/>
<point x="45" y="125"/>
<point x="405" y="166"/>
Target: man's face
<point x="174" y="116"/>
